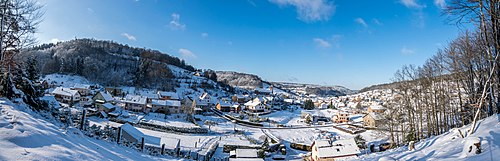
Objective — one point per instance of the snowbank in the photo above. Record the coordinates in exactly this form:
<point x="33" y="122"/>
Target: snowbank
<point x="24" y="135"/>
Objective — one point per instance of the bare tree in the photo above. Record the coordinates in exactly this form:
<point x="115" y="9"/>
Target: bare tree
<point x="18" y="23"/>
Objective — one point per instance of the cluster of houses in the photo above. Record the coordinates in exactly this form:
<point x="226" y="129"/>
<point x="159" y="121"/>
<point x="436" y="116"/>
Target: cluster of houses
<point x="370" y="105"/>
<point x="107" y="100"/>
<point x="104" y="101"/>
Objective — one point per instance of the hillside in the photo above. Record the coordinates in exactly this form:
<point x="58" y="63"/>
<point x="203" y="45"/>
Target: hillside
<point x="309" y="89"/>
<point x="237" y="79"/>
<point x="106" y="62"/>
<point x="25" y="135"/>
<point x="449" y="146"/>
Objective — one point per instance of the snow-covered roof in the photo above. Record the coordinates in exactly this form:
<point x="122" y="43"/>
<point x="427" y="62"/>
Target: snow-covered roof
<point x="327" y="148"/>
<point x="239" y="96"/>
<point x="136" y="99"/>
<point x="224" y="104"/>
<point x="375" y="116"/>
<point x="107" y="96"/>
<point x="64" y="91"/>
<point x="205" y="96"/>
<point x="108" y="106"/>
<point x="252" y="103"/>
<point x="200" y="102"/>
<point x="173" y="103"/>
<point x="246" y="153"/>
<point x="172" y="95"/>
<point x="377" y="107"/>
<point x="150" y="95"/>
<point x="138" y="135"/>
<point x="104" y="114"/>
<point x="81" y="86"/>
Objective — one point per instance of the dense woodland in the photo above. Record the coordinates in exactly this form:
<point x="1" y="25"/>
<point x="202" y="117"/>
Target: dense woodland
<point x="456" y="86"/>
<point x="106" y="62"/>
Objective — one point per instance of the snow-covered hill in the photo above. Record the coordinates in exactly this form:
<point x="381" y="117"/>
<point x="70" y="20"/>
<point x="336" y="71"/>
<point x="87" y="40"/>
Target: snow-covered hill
<point x="449" y="146"/>
<point x="25" y="135"/>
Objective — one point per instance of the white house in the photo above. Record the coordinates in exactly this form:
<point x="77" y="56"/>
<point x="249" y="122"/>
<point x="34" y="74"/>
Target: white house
<point x="244" y="155"/>
<point x="255" y="106"/>
<point x="169" y="106"/>
<point x="84" y="89"/>
<point x="66" y="94"/>
<point x="328" y="150"/>
<point x="135" y="102"/>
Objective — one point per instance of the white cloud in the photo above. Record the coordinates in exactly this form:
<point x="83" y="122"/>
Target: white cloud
<point x="376" y="21"/>
<point x="186" y="53"/>
<point x="336" y="40"/>
<point x="204" y="35"/>
<point x="128" y="36"/>
<point x="361" y="22"/>
<point x="175" y="23"/>
<point x="412" y="4"/>
<point x="322" y="43"/>
<point x="55" y="40"/>
<point x="419" y="19"/>
<point x="440" y="3"/>
<point x="407" y="51"/>
<point x="251" y="2"/>
<point x="310" y="10"/>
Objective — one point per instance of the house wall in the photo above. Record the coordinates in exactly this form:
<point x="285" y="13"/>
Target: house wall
<point x="223" y="109"/>
<point x="135" y="107"/>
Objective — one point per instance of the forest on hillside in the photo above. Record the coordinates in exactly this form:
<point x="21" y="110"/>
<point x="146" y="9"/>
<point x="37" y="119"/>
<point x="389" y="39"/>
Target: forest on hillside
<point x="106" y="62"/>
<point x="456" y="86"/>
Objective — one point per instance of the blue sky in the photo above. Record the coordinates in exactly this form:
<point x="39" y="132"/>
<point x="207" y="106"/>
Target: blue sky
<point x="350" y="43"/>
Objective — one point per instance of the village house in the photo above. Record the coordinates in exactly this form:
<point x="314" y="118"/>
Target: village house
<point x="244" y="155"/>
<point x="168" y="95"/>
<point x="115" y="91"/>
<point x="103" y="97"/>
<point x="328" y="150"/>
<point x="135" y="103"/>
<point x="150" y="96"/>
<point x="236" y="107"/>
<point x="223" y="106"/>
<point x="255" y="106"/>
<point x="341" y="117"/>
<point x="166" y="106"/>
<point x="262" y="91"/>
<point x="107" y="107"/>
<point x="206" y="97"/>
<point x="239" y="98"/>
<point x="200" y="106"/>
<point x="372" y="119"/>
<point x="376" y="109"/>
<point x="84" y="89"/>
<point x="66" y="95"/>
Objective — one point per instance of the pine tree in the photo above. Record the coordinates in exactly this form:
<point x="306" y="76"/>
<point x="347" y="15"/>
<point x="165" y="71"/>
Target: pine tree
<point x="32" y="70"/>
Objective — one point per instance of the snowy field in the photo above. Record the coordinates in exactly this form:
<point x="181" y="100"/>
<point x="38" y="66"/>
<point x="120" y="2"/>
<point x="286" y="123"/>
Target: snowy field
<point x="449" y="146"/>
<point x="24" y="135"/>
<point x="175" y="120"/>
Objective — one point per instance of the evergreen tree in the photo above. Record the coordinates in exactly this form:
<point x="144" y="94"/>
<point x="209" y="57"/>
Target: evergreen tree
<point x="32" y="69"/>
<point x="308" y="104"/>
